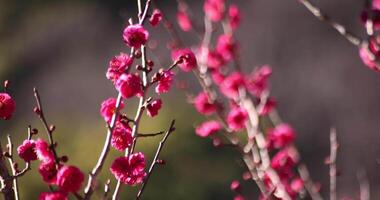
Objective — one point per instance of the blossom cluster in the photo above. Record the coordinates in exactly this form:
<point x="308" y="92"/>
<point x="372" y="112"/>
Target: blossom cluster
<point x="234" y="102"/>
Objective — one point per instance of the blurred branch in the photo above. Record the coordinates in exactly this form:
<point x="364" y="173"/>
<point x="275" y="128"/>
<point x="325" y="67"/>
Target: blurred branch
<point x="353" y="39"/>
<point x="332" y="163"/>
<point x="364" y="185"/>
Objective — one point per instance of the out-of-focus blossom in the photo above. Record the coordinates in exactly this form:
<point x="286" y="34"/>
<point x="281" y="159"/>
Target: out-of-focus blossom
<point x="214" y="9"/>
<point x="189" y="61"/>
<point x="231" y="84"/>
<point x="53" y="196"/>
<point x="226" y="47"/>
<point x="202" y="104"/>
<point x="156" y="17"/>
<point x="257" y="82"/>
<point x="208" y="128"/>
<point x="281" y="136"/>
<point x="236" y="118"/>
<point x="234" y="16"/>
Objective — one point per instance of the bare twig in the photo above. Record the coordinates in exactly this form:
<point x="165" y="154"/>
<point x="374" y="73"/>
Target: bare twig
<point x="149" y="134"/>
<point x="332" y="163"/>
<point x="156" y="157"/>
<point x="49" y="129"/>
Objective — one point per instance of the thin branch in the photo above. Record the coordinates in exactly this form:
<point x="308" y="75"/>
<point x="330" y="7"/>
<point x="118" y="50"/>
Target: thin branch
<point x="364" y="185"/>
<point x="156" y="157"/>
<point x="6" y="179"/>
<point x="352" y="38"/>
<point x="49" y="129"/>
<point x="149" y="134"/>
<point x="309" y="184"/>
<point x="332" y="163"/>
<point x="13" y="165"/>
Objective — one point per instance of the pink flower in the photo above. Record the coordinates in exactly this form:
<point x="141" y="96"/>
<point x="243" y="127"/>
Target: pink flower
<point x="27" y="150"/>
<point x="365" y="55"/>
<point x="135" y="35"/>
<point x="208" y="128"/>
<point x="297" y="185"/>
<point x="48" y="171"/>
<point x="234" y="16"/>
<point x="376" y="4"/>
<point x="53" y="196"/>
<point x="189" y="62"/>
<point x="203" y="105"/>
<point x="121" y="136"/>
<point x="129" y="85"/>
<point x="183" y="18"/>
<point x="217" y="76"/>
<point x="236" y="118"/>
<point x="43" y="151"/>
<point x="155" y="18"/>
<point x="153" y="107"/>
<point x="283" y="162"/>
<point x="281" y="136"/>
<point x="7" y="106"/>
<point x="108" y="107"/>
<point x="226" y="47"/>
<point x="70" y="178"/>
<point x="257" y="82"/>
<point x="215" y="60"/>
<point x="165" y="82"/>
<point x="231" y="84"/>
<point x="269" y="105"/>
<point x="239" y="197"/>
<point x="118" y="65"/>
<point x="129" y="170"/>
<point x="235" y="185"/>
<point x="214" y="9"/>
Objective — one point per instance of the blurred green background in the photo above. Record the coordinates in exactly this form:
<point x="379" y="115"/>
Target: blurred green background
<point x="63" y="47"/>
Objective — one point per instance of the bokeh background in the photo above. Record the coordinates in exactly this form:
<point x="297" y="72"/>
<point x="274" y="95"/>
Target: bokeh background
<point x="63" y="47"/>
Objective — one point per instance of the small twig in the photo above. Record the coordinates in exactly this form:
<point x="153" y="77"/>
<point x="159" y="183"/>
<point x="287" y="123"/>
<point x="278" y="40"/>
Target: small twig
<point x="364" y="185"/>
<point x="156" y="157"/>
<point x="106" y="189"/>
<point x="149" y="134"/>
<point x="49" y="130"/>
<point x="332" y="163"/>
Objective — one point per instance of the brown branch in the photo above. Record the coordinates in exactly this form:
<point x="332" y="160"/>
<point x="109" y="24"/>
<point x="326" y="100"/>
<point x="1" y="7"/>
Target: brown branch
<point x="332" y="163"/>
<point x="149" y="134"/>
<point x="156" y="157"/>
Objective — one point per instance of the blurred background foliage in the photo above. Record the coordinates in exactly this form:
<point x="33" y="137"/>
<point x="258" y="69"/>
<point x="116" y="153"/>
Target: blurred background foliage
<point x="63" y="48"/>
